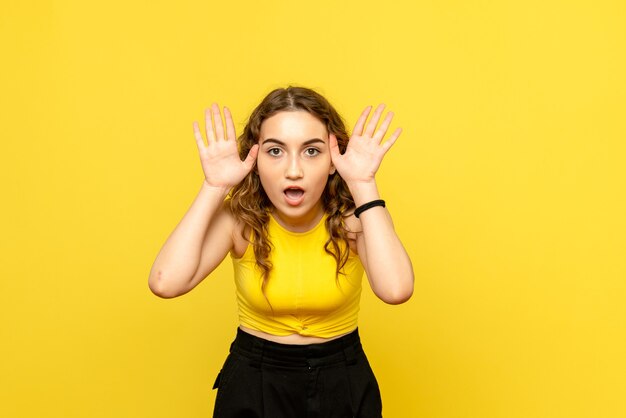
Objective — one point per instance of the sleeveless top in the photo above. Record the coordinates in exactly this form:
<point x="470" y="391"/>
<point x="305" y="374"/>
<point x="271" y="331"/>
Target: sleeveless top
<point x="303" y="295"/>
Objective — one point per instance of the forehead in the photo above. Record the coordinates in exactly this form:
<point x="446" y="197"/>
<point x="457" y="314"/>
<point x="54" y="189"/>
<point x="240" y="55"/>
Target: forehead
<point x="293" y="125"/>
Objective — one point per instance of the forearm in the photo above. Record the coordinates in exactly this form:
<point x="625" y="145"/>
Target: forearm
<point x="389" y="267"/>
<point x="179" y="257"/>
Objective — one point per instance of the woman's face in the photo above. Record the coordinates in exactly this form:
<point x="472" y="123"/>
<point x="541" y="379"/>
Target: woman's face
<point x="293" y="165"/>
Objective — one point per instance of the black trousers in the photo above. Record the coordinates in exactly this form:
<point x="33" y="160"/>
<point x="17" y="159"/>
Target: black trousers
<point x="262" y="378"/>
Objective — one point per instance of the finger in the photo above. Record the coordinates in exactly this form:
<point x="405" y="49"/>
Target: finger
<point x="230" y="126"/>
<point x="392" y="140"/>
<point x="208" y="123"/>
<point x="217" y="120"/>
<point x="358" y="128"/>
<point x="198" y="135"/>
<point x="251" y="158"/>
<point x="371" y="126"/>
<point x="382" y="130"/>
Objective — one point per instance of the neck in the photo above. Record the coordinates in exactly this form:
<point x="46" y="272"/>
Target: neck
<point x="302" y="223"/>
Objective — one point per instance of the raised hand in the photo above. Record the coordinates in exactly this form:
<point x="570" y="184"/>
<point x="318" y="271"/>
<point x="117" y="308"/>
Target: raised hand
<point x="364" y="152"/>
<point x="220" y="159"/>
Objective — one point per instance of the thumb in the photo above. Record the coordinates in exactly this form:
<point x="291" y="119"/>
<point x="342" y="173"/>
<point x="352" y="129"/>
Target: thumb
<point x="251" y="158"/>
<point x="334" y="147"/>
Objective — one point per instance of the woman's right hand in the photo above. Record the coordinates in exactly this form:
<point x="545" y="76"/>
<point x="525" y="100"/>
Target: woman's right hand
<point x="220" y="158"/>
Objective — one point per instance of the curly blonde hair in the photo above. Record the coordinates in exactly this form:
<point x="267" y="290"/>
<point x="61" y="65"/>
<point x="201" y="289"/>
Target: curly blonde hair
<point x="249" y="202"/>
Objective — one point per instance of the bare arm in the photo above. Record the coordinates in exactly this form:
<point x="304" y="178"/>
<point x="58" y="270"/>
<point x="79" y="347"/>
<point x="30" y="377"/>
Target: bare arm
<point x="386" y="262"/>
<point x="204" y="236"/>
<point x="384" y="258"/>
<point x="173" y="271"/>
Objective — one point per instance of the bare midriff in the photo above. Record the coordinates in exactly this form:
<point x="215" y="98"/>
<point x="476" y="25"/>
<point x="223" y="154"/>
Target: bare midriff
<point x="296" y="339"/>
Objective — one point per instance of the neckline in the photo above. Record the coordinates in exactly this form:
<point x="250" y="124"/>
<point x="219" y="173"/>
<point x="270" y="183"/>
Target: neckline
<point x="310" y="231"/>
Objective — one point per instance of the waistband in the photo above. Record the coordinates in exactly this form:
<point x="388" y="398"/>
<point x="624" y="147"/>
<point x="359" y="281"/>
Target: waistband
<point x="261" y="351"/>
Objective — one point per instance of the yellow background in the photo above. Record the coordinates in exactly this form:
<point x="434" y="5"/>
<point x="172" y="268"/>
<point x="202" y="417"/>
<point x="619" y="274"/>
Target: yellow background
<point x="507" y="188"/>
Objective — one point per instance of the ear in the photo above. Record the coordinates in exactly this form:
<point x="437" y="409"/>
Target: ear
<point x="332" y="169"/>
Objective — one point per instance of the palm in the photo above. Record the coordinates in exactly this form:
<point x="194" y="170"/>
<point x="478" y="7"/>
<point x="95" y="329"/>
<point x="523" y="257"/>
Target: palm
<point x="221" y="164"/>
<point x="220" y="158"/>
<point x="364" y="152"/>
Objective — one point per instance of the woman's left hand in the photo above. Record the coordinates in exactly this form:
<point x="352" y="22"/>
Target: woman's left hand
<point x="364" y="152"/>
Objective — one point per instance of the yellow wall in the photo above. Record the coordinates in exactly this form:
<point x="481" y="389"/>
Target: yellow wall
<point x="507" y="187"/>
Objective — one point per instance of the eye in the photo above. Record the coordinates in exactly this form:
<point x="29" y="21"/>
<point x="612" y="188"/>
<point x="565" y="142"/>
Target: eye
<point x="311" y="152"/>
<point x="274" y="152"/>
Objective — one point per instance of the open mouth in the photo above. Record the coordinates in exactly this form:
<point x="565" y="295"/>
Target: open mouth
<point x="294" y="195"/>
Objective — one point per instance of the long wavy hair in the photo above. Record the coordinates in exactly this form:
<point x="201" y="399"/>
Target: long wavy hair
<point x="249" y="202"/>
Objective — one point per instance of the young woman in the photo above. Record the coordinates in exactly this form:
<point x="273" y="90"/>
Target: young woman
<point x="302" y="220"/>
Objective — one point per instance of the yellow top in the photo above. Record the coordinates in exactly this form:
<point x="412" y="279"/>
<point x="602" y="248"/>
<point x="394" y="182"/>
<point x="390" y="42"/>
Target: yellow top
<point x="302" y="289"/>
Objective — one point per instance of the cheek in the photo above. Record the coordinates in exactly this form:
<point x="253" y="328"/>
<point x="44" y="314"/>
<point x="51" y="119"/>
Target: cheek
<point x="321" y="177"/>
<point x="265" y="168"/>
<point x="322" y="170"/>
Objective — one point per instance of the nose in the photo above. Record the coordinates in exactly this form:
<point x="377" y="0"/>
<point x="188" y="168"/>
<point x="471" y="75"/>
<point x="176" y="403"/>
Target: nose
<point x="294" y="169"/>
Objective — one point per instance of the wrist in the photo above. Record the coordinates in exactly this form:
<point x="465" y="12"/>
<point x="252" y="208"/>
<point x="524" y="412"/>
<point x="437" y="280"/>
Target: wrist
<point x="216" y="190"/>
<point x="369" y="205"/>
<point x="363" y="192"/>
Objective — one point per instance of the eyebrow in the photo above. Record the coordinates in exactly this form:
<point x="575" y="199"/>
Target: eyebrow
<point x="309" y="142"/>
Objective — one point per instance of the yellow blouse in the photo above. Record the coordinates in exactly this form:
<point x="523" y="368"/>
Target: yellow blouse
<point x="302" y="289"/>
